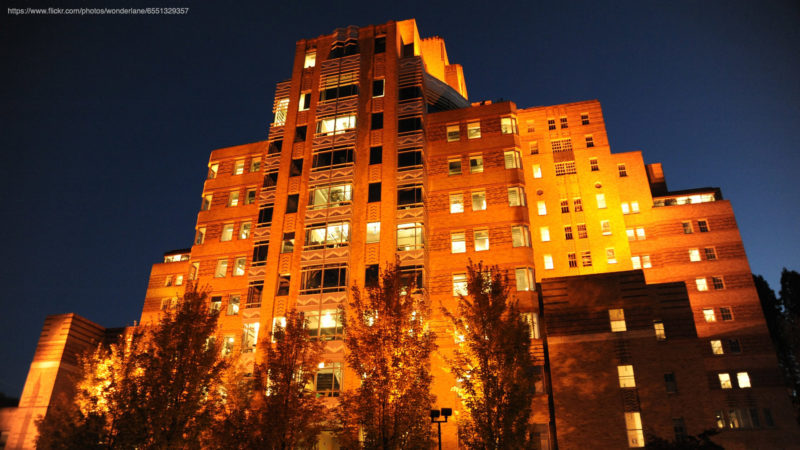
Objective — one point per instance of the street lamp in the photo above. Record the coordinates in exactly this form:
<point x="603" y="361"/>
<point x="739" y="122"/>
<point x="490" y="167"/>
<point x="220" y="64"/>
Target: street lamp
<point x="435" y="414"/>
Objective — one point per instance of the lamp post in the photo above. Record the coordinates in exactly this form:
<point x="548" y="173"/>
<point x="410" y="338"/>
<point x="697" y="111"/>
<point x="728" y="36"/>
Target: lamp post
<point x="435" y="414"/>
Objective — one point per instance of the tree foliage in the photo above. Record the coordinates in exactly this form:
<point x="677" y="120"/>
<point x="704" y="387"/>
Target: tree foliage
<point x="274" y="408"/>
<point x="389" y="346"/>
<point x="492" y="363"/>
<point x="157" y="387"/>
<point x="700" y="442"/>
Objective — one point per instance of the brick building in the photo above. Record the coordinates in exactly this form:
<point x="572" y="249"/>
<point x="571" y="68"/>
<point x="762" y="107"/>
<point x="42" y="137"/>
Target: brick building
<point x="642" y="308"/>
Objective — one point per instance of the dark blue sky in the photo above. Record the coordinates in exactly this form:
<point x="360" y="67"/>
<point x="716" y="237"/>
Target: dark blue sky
<point x="107" y="122"/>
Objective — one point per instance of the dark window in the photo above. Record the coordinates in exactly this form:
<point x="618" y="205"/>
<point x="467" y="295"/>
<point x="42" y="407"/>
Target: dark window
<point x="734" y="346"/>
<point x="410" y="159"/>
<point x="254" y="294"/>
<point x="333" y="93"/>
<point x="411" y="276"/>
<point x="375" y="155"/>
<point x="377" y="121"/>
<point x="305" y="101"/>
<point x="287" y="245"/>
<point x="331" y="157"/>
<point x="409" y="124"/>
<point x="251" y="197"/>
<point x="669" y="383"/>
<point x="371" y="275"/>
<point x="275" y="147"/>
<point x="291" y="203"/>
<point x="283" y="284"/>
<point x="265" y="215"/>
<point x="408" y="50"/>
<point x="374" y="192"/>
<point x="754" y="418"/>
<point x="271" y="179"/>
<point x="377" y="87"/>
<point x="296" y="168"/>
<point x="260" y="251"/>
<point x="324" y="279"/>
<point x="768" y="418"/>
<point x="408" y="93"/>
<point x="350" y="47"/>
<point x="300" y="134"/>
<point x="409" y="196"/>
<point x="679" y="427"/>
<point x="380" y="44"/>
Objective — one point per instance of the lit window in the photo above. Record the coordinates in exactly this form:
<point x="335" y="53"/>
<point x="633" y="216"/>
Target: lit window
<point x="702" y="225"/>
<point x="227" y="344"/>
<point x="572" y="260"/>
<point x="244" y="230"/>
<point x="305" y="101"/>
<point x="178" y="280"/>
<point x="325" y="325"/>
<point x="726" y="313"/>
<point x="541" y="208"/>
<point x="586" y="258"/>
<point x="537" y="171"/>
<point x="577" y="204"/>
<point x="743" y="379"/>
<point x="373" y="232"/>
<point x="605" y="226"/>
<point x="458" y="242"/>
<point x="410" y="236"/>
<point x="200" y="237"/>
<point x="287" y="243"/>
<point x="194" y="271"/>
<point x="565" y="168"/>
<point x="617" y="320"/>
<point x="687" y="227"/>
<point x="529" y="124"/>
<point x="717" y="283"/>
<point x="459" y="284"/>
<point x="453" y="133"/>
<point x="454" y="166"/>
<point x="255" y="164"/>
<point x="611" y="256"/>
<point x="378" y="87"/>
<point x="212" y="171"/>
<point x="516" y="196"/>
<point x="524" y="277"/>
<point x="206" y="202"/>
<point x="634" y="207"/>
<point x="544" y="234"/>
<point x="473" y="130"/>
<point x="508" y="125"/>
<point x="532" y="319"/>
<point x="476" y="164"/>
<point x="694" y="255"/>
<point x="708" y="315"/>
<point x="328" y="380"/>
<point x="533" y="147"/>
<point x="311" y="60"/>
<point x="589" y="141"/>
<point x="601" y="201"/>
<point x="563" y="121"/>
<point x="456" y="203"/>
<point x="716" y="347"/>
<point x="623" y="171"/>
<point x="636" y="262"/>
<point x="640" y="233"/>
<point x="548" y="262"/>
<point x="233" y="305"/>
<point x="568" y="232"/>
<point x="336" y="125"/>
<point x="658" y="327"/>
<point x="284" y="283"/>
<point x="582" y="233"/>
<point x="584" y="119"/>
<point x="725" y="381"/>
<point x="711" y="254"/>
<point x="168" y="282"/>
<point x="551" y="124"/>
<point x="481" y="240"/>
<point x="239" y="266"/>
<point x="327" y="235"/>
<point x="626" y="378"/>
<point x="631" y="234"/>
<point x="626" y="207"/>
<point x="702" y="284"/>
<point x="238" y="167"/>
<point x="281" y="107"/>
<point x="512" y="159"/>
<point x="520" y="236"/>
<point x="478" y="200"/>
<point x="227" y="232"/>
<point x="593" y="165"/>
<point x="646" y="261"/>
<point x="561" y="145"/>
<point x="564" y="206"/>
<point x="222" y="268"/>
<point x="329" y="196"/>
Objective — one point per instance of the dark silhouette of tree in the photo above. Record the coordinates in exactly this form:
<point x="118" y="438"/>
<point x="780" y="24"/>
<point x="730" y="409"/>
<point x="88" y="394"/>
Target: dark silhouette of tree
<point x="389" y="346"/>
<point x="492" y="363"/>
<point x="700" y="442"/>
<point x="275" y="407"/>
<point x="157" y="387"/>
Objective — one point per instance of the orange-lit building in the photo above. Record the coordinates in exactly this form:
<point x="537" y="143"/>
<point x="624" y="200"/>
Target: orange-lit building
<point x="642" y="308"/>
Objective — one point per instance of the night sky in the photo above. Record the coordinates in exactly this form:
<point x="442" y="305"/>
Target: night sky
<point x="107" y="121"/>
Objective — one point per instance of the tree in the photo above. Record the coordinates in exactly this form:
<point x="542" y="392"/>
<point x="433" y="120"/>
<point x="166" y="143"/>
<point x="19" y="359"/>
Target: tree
<point x="700" y="442"/>
<point x="157" y="387"/>
<point x="389" y="346"/>
<point x="492" y="363"/>
<point x="274" y="409"/>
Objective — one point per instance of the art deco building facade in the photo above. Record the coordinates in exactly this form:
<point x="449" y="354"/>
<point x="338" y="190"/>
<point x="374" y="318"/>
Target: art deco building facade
<point x="641" y="303"/>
